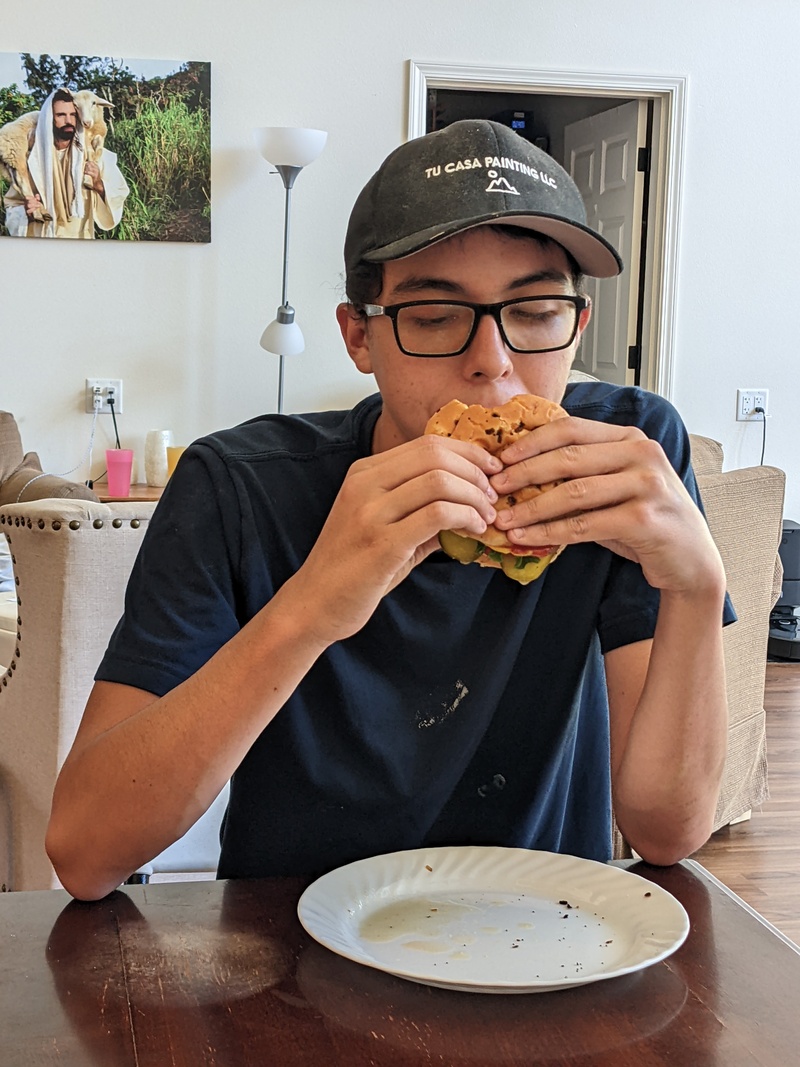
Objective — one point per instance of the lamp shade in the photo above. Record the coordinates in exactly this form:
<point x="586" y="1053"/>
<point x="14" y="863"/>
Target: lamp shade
<point x="289" y="146"/>
<point x="283" y="338"/>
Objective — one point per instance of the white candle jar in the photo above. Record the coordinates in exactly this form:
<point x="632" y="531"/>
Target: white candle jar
<point x="155" y="456"/>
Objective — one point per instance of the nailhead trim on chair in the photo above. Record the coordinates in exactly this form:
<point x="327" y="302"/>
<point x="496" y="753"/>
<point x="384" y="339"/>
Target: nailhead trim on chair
<point x="74" y="524"/>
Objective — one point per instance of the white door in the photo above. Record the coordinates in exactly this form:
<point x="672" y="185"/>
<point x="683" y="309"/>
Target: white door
<point x="601" y="154"/>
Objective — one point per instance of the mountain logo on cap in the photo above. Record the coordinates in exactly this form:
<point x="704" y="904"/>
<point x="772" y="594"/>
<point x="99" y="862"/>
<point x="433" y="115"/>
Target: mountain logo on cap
<point x="500" y="185"/>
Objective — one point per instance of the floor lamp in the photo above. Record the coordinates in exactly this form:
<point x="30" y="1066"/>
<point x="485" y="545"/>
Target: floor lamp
<point x="288" y="149"/>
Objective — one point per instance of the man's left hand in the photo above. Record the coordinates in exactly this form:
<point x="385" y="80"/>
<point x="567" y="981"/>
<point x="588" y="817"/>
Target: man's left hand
<point x="619" y="490"/>
<point x="92" y="172"/>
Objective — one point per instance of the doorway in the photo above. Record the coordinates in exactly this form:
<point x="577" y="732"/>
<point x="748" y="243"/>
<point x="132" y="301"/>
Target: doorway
<point x="566" y="113"/>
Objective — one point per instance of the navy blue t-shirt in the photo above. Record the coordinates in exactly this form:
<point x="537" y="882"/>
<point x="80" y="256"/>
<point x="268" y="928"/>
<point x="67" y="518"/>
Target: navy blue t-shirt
<point x="468" y="710"/>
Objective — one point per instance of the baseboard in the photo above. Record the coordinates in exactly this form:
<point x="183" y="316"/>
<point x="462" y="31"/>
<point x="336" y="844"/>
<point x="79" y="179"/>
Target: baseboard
<point x="182" y="876"/>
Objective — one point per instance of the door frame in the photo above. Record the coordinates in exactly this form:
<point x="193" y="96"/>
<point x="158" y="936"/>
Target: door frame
<point x="666" y="178"/>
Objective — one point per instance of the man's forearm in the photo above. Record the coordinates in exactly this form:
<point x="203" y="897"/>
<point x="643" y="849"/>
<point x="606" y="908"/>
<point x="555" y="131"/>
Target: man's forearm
<point x="666" y="775"/>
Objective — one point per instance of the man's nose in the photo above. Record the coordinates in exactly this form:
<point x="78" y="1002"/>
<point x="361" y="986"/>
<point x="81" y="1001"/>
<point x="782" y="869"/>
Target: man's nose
<point x="487" y="355"/>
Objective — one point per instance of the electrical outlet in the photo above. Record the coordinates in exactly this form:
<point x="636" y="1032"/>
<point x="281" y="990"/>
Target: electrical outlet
<point x="108" y="387"/>
<point x="747" y="400"/>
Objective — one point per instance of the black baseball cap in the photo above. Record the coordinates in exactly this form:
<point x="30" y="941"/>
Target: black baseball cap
<point x="471" y="173"/>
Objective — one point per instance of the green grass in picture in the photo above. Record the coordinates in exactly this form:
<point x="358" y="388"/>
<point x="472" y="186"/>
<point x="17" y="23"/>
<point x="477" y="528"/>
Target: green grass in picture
<point x="164" y="153"/>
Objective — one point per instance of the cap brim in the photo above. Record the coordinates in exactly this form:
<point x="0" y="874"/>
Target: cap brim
<point x="593" y="254"/>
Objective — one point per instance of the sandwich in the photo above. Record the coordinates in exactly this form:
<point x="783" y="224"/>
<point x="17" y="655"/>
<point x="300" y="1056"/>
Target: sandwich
<point x="494" y="429"/>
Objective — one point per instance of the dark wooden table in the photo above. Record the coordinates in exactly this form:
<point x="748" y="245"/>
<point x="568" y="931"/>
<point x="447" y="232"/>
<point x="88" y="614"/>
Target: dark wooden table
<point x="222" y="973"/>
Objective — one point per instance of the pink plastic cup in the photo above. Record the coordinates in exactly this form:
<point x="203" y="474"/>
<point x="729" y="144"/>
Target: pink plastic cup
<point x="118" y="463"/>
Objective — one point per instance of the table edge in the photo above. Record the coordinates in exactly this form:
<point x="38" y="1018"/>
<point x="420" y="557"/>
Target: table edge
<point x="705" y="873"/>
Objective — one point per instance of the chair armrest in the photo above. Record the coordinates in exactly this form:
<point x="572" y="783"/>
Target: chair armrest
<point x="28" y="484"/>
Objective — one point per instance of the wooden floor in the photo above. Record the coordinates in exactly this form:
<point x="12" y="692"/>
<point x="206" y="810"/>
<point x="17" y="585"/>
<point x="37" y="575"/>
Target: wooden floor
<point x="760" y="859"/>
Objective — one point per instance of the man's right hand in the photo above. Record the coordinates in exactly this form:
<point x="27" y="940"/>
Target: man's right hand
<point x="384" y="521"/>
<point x="32" y="205"/>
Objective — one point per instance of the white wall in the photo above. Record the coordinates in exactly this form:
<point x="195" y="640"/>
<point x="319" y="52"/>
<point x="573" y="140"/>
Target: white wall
<point x="180" y="323"/>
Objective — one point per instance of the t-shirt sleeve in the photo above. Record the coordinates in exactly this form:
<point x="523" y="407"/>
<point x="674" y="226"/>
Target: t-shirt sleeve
<point x="180" y="603"/>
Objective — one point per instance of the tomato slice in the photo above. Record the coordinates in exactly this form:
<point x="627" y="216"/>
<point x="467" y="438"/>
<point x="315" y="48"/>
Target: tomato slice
<point x="536" y="550"/>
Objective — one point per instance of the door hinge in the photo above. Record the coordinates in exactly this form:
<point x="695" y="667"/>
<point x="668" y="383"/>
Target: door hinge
<point x="643" y="161"/>
<point x="634" y="357"/>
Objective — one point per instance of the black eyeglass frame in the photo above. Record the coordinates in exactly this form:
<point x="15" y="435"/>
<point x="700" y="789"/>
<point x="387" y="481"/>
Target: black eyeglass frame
<point x="391" y="311"/>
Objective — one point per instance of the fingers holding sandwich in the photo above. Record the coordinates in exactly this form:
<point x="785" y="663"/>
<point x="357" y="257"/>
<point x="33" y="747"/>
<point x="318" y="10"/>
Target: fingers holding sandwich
<point x="588" y="465"/>
<point x="425" y="482"/>
<point x="616" y="487"/>
<point x="384" y="521"/>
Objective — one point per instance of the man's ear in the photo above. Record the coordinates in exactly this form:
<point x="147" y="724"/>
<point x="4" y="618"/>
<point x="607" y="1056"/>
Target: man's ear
<point x="354" y="332"/>
<point x="585" y="315"/>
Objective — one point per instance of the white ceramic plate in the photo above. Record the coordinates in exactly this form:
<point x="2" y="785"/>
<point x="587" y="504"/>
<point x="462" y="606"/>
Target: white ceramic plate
<point x="493" y="920"/>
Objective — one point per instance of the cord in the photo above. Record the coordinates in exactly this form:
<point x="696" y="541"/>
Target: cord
<point x="89" y="483"/>
<point x="760" y="411"/>
<point x="87" y="455"/>
<point x="114" y="417"/>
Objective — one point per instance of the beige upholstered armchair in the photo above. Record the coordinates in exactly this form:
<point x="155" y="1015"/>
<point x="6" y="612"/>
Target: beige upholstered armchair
<point x="744" y="507"/>
<point x="59" y="602"/>
<point x="71" y="562"/>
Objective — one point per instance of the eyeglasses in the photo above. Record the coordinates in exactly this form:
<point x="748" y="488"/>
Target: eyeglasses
<point x="432" y="328"/>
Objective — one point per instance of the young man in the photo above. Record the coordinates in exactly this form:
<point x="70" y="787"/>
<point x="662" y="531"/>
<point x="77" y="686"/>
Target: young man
<point x="290" y="621"/>
<point x="65" y="205"/>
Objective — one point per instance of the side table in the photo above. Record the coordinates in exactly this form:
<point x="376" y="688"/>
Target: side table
<point x="139" y="491"/>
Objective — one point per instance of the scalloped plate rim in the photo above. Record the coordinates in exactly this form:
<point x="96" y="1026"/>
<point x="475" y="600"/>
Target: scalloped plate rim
<point x="333" y="906"/>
